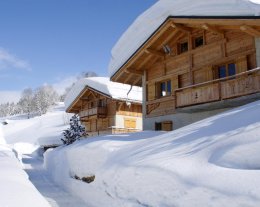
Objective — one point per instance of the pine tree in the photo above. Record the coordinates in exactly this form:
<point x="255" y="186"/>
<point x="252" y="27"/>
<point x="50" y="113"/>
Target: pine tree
<point x="75" y="132"/>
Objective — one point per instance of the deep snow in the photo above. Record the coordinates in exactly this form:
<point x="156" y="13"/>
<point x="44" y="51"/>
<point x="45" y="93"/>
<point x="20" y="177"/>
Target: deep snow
<point x="55" y="195"/>
<point x="15" y="187"/>
<point x="214" y="162"/>
<point x="24" y="137"/>
<point x="41" y="130"/>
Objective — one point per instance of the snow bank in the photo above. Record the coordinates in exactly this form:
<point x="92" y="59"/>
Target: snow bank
<point x="16" y="189"/>
<point x="214" y="162"/>
<point x="104" y="85"/>
<point x="148" y="22"/>
<point x="2" y="139"/>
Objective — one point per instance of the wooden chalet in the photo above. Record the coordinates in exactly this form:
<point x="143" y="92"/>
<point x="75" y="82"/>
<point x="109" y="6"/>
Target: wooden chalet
<point x="105" y="107"/>
<point x="193" y="66"/>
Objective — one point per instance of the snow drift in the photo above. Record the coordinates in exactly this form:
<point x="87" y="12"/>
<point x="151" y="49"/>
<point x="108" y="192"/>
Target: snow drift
<point x="16" y="189"/>
<point x="214" y="162"/>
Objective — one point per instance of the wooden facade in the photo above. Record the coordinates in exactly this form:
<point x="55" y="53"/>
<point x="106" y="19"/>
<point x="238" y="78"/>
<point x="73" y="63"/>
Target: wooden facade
<point x="192" y="61"/>
<point x="100" y="113"/>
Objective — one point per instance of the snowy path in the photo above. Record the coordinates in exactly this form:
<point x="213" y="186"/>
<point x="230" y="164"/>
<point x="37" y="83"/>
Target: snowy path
<point x="55" y="195"/>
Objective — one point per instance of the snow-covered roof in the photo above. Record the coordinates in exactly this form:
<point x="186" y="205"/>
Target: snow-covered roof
<point x="148" y="22"/>
<point x="105" y="86"/>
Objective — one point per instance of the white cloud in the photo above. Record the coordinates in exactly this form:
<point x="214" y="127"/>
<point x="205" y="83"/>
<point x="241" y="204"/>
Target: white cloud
<point x="62" y="84"/>
<point x="8" y="60"/>
<point x="9" y="96"/>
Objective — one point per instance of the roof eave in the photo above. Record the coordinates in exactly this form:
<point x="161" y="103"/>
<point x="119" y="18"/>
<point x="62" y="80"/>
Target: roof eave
<point x="179" y="17"/>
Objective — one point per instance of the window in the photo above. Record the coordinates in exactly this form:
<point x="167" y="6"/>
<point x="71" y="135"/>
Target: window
<point x="226" y="70"/>
<point x="164" y="126"/>
<point x="183" y="80"/>
<point x="130" y="123"/>
<point x="101" y="103"/>
<point x="164" y="88"/>
<point x="158" y="126"/>
<point x="91" y="105"/>
<point x="198" y="41"/>
<point x="183" y="47"/>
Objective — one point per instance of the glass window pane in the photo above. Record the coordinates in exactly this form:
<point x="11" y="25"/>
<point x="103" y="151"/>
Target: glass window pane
<point x="222" y="71"/>
<point x="183" y="47"/>
<point x="198" y="41"/>
<point x="231" y="69"/>
<point x="163" y="89"/>
<point x="169" y="87"/>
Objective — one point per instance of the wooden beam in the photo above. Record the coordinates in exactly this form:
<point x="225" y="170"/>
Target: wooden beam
<point x="117" y="76"/>
<point x="145" y="61"/>
<point x="140" y="51"/>
<point x="94" y="94"/>
<point x="136" y="72"/>
<point x="212" y="29"/>
<point x="169" y="37"/>
<point x="154" y="52"/>
<point x="250" y="30"/>
<point x="223" y="22"/>
<point x="181" y="27"/>
<point x="190" y="58"/>
<point x="128" y="78"/>
<point x="136" y="81"/>
<point x="84" y="99"/>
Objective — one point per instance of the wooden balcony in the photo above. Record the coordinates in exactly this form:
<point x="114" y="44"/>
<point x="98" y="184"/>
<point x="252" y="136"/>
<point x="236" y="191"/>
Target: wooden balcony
<point x="98" y="111"/>
<point x="225" y="88"/>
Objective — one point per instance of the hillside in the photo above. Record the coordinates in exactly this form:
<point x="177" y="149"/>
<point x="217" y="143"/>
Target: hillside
<point x="40" y="130"/>
<point x="214" y="162"/>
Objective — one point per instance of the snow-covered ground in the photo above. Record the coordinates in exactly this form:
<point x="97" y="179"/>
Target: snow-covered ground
<point x="23" y="137"/>
<point x="15" y="188"/>
<point x="54" y="194"/>
<point x="41" y="130"/>
<point x="214" y="162"/>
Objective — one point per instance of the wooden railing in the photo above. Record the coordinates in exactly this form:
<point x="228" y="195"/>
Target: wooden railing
<point x="118" y="130"/>
<point x="99" y="111"/>
<point x="229" y="87"/>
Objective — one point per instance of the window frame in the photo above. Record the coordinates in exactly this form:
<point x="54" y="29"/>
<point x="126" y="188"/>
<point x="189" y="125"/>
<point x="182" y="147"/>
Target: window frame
<point x="227" y="70"/>
<point x="163" y="126"/>
<point x="167" y="91"/>
<point x="194" y="41"/>
<point x="180" y="51"/>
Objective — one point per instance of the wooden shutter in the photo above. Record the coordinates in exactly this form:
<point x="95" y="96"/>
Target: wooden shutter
<point x="167" y="126"/>
<point x="130" y="123"/>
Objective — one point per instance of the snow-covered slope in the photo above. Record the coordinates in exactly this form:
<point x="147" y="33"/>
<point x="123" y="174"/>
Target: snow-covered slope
<point x="103" y="85"/>
<point x="40" y="130"/>
<point x="150" y="20"/>
<point x="214" y="162"/>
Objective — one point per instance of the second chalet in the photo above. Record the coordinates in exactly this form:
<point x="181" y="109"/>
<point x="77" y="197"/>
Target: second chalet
<point x="105" y="107"/>
<point x="193" y="59"/>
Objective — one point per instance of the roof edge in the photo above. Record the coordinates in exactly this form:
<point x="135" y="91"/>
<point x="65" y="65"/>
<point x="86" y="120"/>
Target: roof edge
<point x="180" y="17"/>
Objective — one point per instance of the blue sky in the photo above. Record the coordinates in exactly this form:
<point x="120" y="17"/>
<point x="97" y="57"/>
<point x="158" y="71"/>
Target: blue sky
<point x="50" y="41"/>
